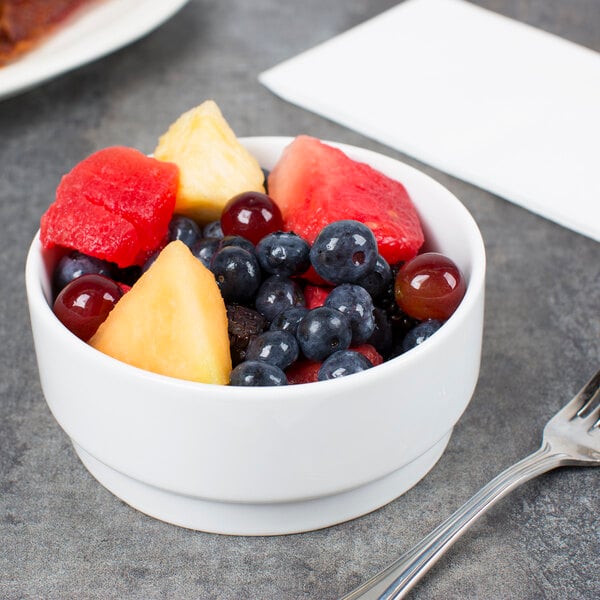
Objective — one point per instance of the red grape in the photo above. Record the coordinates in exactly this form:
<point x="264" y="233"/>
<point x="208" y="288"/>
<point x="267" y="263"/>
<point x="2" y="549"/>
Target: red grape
<point x="251" y="215"/>
<point x="85" y="302"/>
<point x="429" y="286"/>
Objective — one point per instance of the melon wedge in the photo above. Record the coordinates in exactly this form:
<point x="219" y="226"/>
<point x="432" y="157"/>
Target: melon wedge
<point x="115" y="204"/>
<point x="214" y="166"/>
<point x="172" y="322"/>
<point x="314" y="184"/>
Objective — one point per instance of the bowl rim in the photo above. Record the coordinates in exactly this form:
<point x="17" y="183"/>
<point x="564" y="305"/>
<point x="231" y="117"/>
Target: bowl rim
<point x="475" y="285"/>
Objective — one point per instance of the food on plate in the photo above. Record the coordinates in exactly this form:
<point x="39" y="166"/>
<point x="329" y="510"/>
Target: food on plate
<point x="320" y="278"/>
<point x="115" y="205"/>
<point x="23" y="23"/>
<point x="172" y="321"/>
<point x="214" y="166"/>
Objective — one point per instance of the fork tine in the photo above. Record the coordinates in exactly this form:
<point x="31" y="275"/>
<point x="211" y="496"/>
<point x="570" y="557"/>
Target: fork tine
<point x="583" y="399"/>
<point x="589" y="395"/>
<point x="591" y="414"/>
<point x="596" y="416"/>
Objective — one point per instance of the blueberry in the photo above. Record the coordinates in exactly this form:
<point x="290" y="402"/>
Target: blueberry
<point x="237" y="273"/>
<point x="238" y="241"/>
<point x="257" y="373"/>
<point x="323" y="331"/>
<point x="382" y="337"/>
<point x="356" y="303"/>
<point x="344" y="251"/>
<point x="283" y="253"/>
<point x="129" y="275"/>
<point x="420" y="333"/>
<point x="278" y="348"/>
<point x="276" y="294"/>
<point x="401" y="323"/>
<point x="75" y="264"/>
<point x="342" y="363"/>
<point x="184" y="229"/>
<point x="212" y="230"/>
<point x="205" y="248"/>
<point x="288" y="319"/>
<point x="150" y="260"/>
<point x="378" y="281"/>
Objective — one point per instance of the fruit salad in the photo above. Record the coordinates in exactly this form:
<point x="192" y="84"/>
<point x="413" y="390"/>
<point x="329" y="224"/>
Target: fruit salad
<point x="199" y="264"/>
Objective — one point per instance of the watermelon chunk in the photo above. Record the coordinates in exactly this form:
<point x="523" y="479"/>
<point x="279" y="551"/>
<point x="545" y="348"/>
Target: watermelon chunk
<point x="315" y="295"/>
<point x="314" y="184"/>
<point x="369" y="351"/>
<point x="115" y="205"/>
<point x="303" y="371"/>
<point x="307" y="371"/>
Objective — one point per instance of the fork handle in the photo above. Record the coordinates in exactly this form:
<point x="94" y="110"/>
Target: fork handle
<point x="398" y="578"/>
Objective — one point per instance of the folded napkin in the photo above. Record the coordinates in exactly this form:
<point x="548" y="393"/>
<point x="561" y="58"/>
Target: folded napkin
<point x="494" y="102"/>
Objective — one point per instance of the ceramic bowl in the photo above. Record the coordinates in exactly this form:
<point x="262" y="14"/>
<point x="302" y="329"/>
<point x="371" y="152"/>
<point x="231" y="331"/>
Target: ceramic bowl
<point x="265" y="461"/>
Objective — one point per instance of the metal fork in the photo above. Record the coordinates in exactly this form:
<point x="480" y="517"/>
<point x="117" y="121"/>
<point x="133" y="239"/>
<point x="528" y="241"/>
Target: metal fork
<point x="571" y="438"/>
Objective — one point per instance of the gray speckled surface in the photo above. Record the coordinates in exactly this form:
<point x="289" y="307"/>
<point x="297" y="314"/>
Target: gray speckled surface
<point x="64" y="536"/>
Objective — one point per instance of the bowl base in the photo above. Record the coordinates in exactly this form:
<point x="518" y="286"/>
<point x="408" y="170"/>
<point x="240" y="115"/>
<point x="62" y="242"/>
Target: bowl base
<point x="279" y="518"/>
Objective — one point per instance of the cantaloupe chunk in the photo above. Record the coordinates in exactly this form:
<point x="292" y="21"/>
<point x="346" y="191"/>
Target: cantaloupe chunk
<point x="213" y="164"/>
<point x="172" y="321"/>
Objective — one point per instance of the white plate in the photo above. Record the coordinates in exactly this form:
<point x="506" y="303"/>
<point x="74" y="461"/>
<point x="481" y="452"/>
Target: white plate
<point x="90" y="33"/>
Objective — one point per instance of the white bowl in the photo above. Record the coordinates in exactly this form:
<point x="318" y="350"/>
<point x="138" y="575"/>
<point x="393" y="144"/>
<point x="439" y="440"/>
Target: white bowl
<point x="265" y="461"/>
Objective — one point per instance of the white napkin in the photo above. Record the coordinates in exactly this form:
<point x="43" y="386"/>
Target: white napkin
<point x="494" y="102"/>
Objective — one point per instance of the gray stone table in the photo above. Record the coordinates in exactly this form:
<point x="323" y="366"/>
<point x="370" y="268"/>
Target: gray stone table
<point x="62" y="535"/>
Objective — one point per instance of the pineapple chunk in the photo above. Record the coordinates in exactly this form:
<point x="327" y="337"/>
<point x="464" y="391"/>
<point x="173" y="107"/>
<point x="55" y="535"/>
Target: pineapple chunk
<point x="213" y="164"/>
<point x="172" y="321"/>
